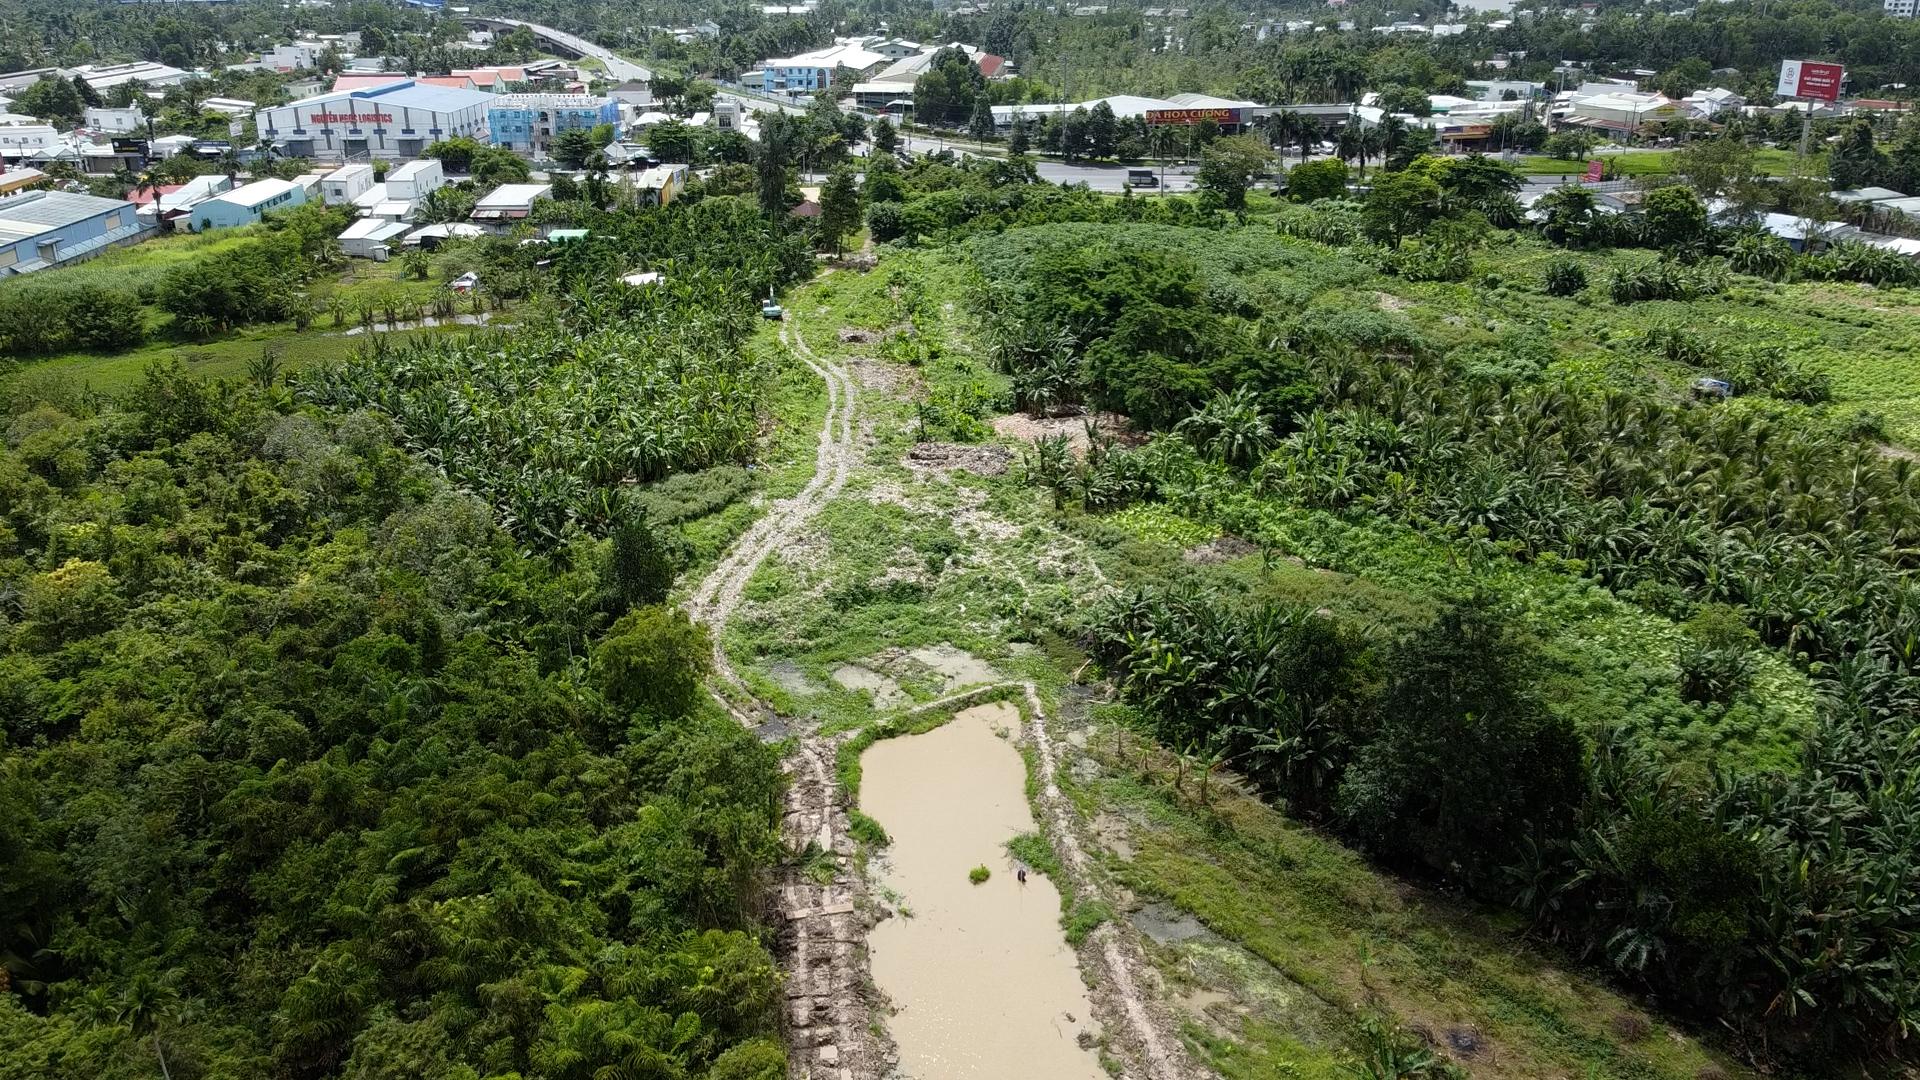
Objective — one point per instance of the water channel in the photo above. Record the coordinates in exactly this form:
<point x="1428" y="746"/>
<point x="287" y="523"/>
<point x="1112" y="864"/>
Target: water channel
<point x="980" y="976"/>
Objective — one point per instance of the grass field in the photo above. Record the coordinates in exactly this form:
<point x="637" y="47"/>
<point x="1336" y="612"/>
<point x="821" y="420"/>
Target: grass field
<point x="338" y="299"/>
<point x="227" y="357"/>
<point x="1285" y="942"/>
<point x="1643" y="163"/>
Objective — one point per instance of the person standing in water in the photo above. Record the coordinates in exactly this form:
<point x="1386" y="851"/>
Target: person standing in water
<point x="1021" y="873"/>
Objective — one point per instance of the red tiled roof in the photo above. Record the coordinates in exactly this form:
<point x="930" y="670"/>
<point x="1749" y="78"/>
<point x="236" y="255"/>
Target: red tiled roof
<point x="990" y="64"/>
<point x="365" y="82"/>
<point x="458" y="82"/>
<point x="146" y="195"/>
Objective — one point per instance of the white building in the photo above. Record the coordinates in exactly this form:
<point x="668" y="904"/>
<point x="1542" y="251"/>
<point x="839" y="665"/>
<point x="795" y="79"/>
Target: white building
<point x="1899" y="9"/>
<point x="372" y="238"/>
<point x="1702" y="104"/>
<point x="114" y="121"/>
<point x="637" y="92"/>
<point x="815" y="70"/>
<point x="24" y="137"/>
<point x="398" y="120"/>
<point x="299" y="56"/>
<point x="228" y="106"/>
<point x="896" y="80"/>
<point x="104" y="77"/>
<point x="1498" y="89"/>
<point x="1622" y="111"/>
<point x="168" y="145"/>
<point x="507" y="204"/>
<point x="415" y="180"/>
<point x="345" y="184"/>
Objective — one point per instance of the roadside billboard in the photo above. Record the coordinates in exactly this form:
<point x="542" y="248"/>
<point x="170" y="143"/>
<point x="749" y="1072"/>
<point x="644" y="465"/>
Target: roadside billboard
<point x="1810" y="79"/>
<point x="1222" y="117"/>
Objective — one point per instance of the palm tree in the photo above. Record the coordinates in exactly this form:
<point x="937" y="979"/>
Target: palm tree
<point x="1392" y="131"/>
<point x="147" y="1005"/>
<point x="1307" y="133"/>
<point x="1358" y="142"/>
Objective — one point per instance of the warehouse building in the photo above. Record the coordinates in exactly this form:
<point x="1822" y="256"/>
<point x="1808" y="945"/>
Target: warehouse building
<point x="398" y="120"/>
<point x="43" y="229"/>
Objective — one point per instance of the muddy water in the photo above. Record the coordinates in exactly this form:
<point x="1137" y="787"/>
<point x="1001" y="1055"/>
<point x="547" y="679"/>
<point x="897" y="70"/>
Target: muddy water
<point x="982" y="979"/>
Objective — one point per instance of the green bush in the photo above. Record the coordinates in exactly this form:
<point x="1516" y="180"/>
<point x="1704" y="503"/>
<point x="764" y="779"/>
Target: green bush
<point x="1666" y="279"/>
<point x="979" y="874"/>
<point x="1565" y="277"/>
<point x="48" y="314"/>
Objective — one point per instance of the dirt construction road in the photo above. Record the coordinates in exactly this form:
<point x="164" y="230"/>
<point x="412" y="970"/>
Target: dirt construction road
<point x="828" y="1020"/>
<point x="827" y="1010"/>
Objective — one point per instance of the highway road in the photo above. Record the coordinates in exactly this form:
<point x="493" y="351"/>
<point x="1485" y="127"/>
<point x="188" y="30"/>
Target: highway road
<point x="618" y="69"/>
<point x="1110" y="178"/>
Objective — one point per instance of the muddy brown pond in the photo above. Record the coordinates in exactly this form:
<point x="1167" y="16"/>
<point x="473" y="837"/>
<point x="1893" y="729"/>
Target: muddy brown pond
<point x="980" y="975"/>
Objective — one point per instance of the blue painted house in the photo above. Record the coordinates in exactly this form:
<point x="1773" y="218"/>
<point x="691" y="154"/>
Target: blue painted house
<point x="528" y="122"/>
<point x="43" y="229"/>
<point x="247" y="204"/>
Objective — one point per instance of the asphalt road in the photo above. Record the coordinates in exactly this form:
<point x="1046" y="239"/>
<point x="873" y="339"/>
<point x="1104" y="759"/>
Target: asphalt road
<point x="1111" y="178"/>
<point x="618" y="69"/>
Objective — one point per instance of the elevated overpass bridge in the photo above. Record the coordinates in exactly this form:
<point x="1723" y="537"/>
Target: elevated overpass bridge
<point x="618" y="69"/>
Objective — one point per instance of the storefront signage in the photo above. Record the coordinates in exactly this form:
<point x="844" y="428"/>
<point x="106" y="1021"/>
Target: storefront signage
<point x="351" y="119"/>
<point x="1192" y="116"/>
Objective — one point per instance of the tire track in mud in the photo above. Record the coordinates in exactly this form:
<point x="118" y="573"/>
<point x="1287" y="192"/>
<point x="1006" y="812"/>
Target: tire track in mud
<point x="826" y="1018"/>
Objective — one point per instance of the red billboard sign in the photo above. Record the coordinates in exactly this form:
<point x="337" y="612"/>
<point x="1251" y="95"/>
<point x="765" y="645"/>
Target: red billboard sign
<point x="350" y="118"/>
<point x="1192" y="116"/>
<point x="1810" y="80"/>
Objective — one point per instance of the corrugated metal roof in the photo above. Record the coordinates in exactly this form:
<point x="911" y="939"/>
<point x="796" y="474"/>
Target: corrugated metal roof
<point x="254" y="194"/>
<point x="513" y="195"/>
<point x="373" y="229"/>
<point x="408" y="93"/>
<point x="34" y="212"/>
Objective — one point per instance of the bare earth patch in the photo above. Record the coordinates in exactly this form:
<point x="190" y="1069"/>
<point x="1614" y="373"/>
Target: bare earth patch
<point x="1218" y="550"/>
<point x="981" y="460"/>
<point x="1027" y="429"/>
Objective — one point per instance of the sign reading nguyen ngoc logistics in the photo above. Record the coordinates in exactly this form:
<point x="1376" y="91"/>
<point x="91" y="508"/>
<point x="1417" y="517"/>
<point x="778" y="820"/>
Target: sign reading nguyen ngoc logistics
<point x="1192" y="116"/>
<point x="351" y="118"/>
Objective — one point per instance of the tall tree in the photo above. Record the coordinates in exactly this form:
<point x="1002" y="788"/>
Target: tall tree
<point x="1103" y="130"/>
<point x="1227" y="169"/>
<point x="980" y="124"/>
<point x="839" y="207"/>
<point x="771" y="160"/>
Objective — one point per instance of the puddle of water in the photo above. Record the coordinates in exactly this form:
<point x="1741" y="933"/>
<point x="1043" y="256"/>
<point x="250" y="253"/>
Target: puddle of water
<point x="1167" y="924"/>
<point x="787" y="676"/>
<point x="886" y="693"/>
<point x="982" y="979"/>
<point x="958" y="666"/>
<point x="421" y="324"/>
